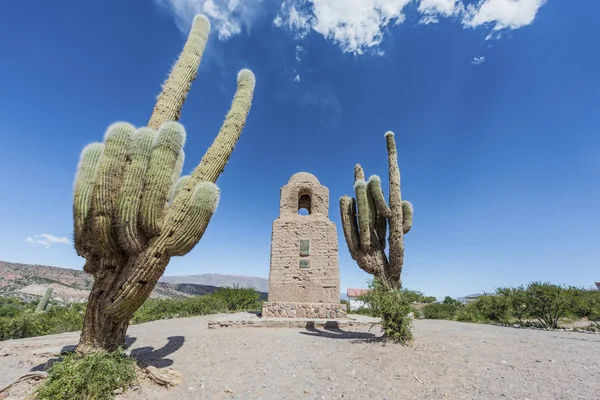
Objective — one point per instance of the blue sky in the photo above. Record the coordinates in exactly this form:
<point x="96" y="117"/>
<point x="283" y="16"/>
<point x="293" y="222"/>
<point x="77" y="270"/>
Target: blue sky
<point x="495" y="105"/>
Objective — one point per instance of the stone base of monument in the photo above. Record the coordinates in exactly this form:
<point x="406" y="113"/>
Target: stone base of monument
<point x="304" y="310"/>
<point x="251" y="320"/>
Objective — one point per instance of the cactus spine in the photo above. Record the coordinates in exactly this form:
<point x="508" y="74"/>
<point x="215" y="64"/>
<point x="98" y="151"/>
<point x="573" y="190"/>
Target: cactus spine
<point x="367" y="218"/>
<point x="44" y="305"/>
<point x="132" y="210"/>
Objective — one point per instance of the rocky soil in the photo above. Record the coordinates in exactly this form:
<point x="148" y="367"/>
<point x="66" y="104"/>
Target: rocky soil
<point x="449" y="360"/>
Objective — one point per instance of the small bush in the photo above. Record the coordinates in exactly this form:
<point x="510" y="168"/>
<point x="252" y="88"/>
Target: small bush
<point x="238" y="298"/>
<point x="445" y="310"/>
<point x="91" y="377"/>
<point x="393" y="309"/>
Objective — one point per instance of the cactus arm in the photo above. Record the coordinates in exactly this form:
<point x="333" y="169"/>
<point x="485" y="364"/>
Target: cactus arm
<point x="203" y="204"/>
<point x="83" y="191"/>
<point x="216" y="157"/>
<point x="395" y="238"/>
<point x="176" y="175"/>
<point x="407" y="216"/>
<point x="364" y="214"/>
<point x="377" y="193"/>
<point x="177" y="86"/>
<point x="381" y="230"/>
<point x="159" y="177"/>
<point x="108" y="183"/>
<point x="178" y="186"/>
<point x="350" y="226"/>
<point x="150" y="265"/>
<point x="130" y="236"/>
<point x="382" y="209"/>
<point x="373" y="217"/>
<point x="359" y="173"/>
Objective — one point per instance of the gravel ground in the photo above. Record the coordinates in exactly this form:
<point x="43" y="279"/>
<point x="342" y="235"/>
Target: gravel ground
<point x="449" y="360"/>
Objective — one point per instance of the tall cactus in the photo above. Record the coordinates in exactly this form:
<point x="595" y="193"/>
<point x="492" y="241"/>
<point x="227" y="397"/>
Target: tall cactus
<point x="44" y="301"/>
<point x="132" y="210"/>
<point x="365" y="231"/>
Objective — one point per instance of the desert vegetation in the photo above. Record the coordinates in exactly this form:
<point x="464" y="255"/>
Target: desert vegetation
<point x="369" y="221"/>
<point x="18" y="318"/>
<point x="539" y="304"/>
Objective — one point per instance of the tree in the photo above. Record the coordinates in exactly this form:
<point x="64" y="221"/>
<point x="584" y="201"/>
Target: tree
<point x="548" y="303"/>
<point x="133" y="212"/>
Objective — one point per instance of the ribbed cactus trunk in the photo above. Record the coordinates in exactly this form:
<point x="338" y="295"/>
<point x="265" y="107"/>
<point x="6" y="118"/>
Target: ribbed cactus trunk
<point x="133" y="211"/>
<point x="367" y="218"/>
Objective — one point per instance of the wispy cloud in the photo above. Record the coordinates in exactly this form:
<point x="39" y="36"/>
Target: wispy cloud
<point x="47" y="240"/>
<point x="356" y="26"/>
<point x="299" y="51"/>
<point x="359" y="25"/>
<point x="432" y="10"/>
<point x="227" y="17"/>
<point x="478" y="60"/>
<point x="502" y="14"/>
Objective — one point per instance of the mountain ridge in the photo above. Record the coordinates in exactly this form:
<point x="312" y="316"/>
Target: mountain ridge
<point x="29" y="282"/>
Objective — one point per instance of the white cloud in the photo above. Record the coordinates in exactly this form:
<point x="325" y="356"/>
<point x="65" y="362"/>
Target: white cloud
<point x="355" y="25"/>
<point x="47" y="240"/>
<point x="299" y="50"/>
<point x="297" y="78"/>
<point x="432" y="9"/>
<point x="227" y="17"/>
<point x="358" y="25"/>
<point x="503" y="14"/>
<point x="478" y="60"/>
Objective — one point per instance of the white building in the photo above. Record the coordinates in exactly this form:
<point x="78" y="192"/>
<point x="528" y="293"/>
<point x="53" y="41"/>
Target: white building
<point x="353" y="298"/>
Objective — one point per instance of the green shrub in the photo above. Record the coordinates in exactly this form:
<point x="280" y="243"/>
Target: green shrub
<point x="155" y="309"/>
<point x="238" y="298"/>
<point x="11" y="307"/>
<point x="28" y="324"/>
<point x="548" y="303"/>
<point x="517" y="299"/>
<point x="91" y="377"/>
<point x="445" y="310"/>
<point x="586" y="304"/>
<point x="415" y="296"/>
<point x="393" y="309"/>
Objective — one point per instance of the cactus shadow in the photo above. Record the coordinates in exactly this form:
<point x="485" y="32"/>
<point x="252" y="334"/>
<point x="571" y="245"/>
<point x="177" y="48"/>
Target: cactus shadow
<point x="149" y="356"/>
<point x="332" y="331"/>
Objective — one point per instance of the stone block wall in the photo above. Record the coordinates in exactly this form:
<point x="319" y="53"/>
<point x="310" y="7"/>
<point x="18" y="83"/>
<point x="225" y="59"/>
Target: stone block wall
<point x="304" y="310"/>
<point x="304" y="248"/>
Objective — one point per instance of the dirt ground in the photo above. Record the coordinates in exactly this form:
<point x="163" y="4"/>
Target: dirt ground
<point x="449" y="360"/>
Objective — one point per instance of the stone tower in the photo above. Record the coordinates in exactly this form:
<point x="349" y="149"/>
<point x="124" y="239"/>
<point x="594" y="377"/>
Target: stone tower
<point x="304" y="278"/>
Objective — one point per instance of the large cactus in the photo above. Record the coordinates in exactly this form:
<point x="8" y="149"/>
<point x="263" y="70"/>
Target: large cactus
<point x="133" y="212"/>
<point x="365" y="231"/>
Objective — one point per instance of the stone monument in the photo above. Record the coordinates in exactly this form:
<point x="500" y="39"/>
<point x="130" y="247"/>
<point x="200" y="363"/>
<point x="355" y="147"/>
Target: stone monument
<point x="304" y="279"/>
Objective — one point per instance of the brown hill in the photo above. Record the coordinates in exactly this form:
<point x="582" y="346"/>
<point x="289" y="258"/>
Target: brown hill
<point x="29" y="282"/>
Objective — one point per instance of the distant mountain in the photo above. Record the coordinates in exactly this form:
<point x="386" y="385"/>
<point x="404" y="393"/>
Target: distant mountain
<point x="29" y="282"/>
<point x="221" y="280"/>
